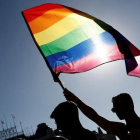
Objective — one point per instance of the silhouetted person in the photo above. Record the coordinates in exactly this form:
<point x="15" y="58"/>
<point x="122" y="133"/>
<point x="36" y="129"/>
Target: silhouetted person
<point x="67" y="120"/>
<point x="123" y="107"/>
<point x="42" y="131"/>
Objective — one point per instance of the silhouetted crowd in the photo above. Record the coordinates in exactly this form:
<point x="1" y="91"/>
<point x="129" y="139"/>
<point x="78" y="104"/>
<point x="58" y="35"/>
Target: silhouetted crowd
<point x="66" y="117"/>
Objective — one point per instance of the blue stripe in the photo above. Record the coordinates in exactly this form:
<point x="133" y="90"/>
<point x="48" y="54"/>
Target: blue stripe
<point x="81" y="50"/>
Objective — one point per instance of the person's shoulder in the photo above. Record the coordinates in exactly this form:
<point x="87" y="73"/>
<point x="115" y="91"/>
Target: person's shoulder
<point x="120" y="130"/>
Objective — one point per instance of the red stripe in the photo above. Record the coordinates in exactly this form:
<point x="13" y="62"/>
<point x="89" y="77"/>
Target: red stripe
<point x="89" y="62"/>
<point x="37" y="11"/>
<point x="135" y="51"/>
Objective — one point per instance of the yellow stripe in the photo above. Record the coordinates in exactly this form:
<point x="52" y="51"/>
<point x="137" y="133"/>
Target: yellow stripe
<point x="60" y="29"/>
<point x="48" y="19"/>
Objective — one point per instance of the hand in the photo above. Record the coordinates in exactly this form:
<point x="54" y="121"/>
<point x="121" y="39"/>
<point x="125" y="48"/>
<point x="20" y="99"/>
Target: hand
<point x="69" y="95"/>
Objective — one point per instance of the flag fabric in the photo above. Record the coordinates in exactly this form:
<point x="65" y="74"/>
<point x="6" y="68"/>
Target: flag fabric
<point x="13" y="116"/>
<point x="72" y="41"/>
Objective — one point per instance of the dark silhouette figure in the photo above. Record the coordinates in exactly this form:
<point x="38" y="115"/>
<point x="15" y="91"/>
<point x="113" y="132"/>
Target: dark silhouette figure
<point x="67" y="120"/>
<point x="58" y="138"/>
<point x="41" y="130"/>
<point x="123" y="107"/>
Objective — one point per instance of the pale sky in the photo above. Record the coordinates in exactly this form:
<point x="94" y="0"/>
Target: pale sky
<point x="27" y="89"/>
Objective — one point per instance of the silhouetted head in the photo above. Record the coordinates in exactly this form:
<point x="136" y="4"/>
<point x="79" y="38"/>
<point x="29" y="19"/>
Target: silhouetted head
<point x="41" y="130"/>
<point x="66" y="116"/>
<point x="122" y="105"/>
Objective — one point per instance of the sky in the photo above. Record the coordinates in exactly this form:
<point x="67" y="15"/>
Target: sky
<point x="27" y="89"/>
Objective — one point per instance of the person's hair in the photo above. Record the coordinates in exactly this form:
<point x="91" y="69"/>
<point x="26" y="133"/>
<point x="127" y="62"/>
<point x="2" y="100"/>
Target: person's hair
<point x="65" y="109"/>
<point x="125" y="98"/>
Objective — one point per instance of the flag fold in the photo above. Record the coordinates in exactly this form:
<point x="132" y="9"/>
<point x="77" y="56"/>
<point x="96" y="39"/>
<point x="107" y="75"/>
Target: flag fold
<point x="72" y="41"/>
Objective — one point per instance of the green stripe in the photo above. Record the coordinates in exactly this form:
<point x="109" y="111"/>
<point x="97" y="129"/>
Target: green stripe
<point x="71" y="39"/>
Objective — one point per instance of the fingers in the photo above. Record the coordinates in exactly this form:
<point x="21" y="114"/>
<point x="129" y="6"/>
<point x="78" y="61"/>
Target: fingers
<point x="67" y="94"/>
<point x="66" y="90"/>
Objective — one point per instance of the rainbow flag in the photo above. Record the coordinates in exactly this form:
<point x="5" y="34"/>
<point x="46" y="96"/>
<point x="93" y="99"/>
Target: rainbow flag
<point x="72" y="41"/>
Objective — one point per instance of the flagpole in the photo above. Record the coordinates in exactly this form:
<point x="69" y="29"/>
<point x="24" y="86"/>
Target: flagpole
<point x="3" y="128"/>
<point x="21" y="127"/>
<point x="14" y="123"/>
<point x="13" y="120"/>
<point x="2" y="125"/>
<point x="60" y="83"/>
<point x="6" y="122"/>
<point x="10" y="125"/>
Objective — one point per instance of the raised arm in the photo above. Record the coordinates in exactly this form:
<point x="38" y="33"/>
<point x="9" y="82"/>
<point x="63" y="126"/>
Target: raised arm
<point x="109" y="126"/>
<point x="86" y="110"/>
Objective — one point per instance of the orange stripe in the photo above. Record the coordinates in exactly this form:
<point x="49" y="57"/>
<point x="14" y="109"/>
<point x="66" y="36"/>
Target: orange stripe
<point x="48" y="19"/>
